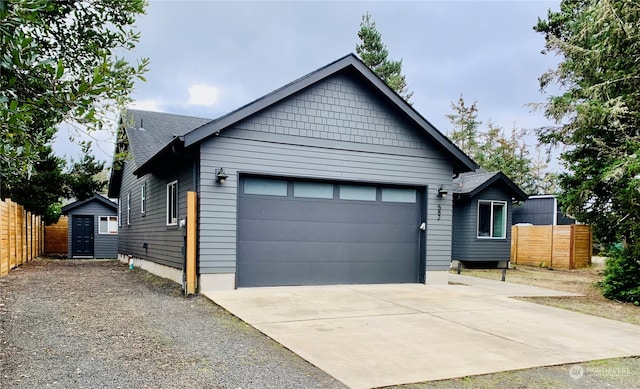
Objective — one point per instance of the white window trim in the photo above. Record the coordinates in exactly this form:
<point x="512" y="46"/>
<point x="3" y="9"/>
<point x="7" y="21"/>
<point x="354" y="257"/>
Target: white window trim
<point x="504" y="221"/>
<point x="119" y="212"/>
<point x="109" y="231"/>
<point x="143" y="198"/>
<point x="129" y="209"/>
<point x="173" y="222"/>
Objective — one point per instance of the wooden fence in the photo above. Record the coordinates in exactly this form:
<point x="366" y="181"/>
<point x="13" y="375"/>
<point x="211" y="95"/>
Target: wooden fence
<point x="561" y="247"/>
<point x="21" y="236"/>
<point x="56" y="237"/>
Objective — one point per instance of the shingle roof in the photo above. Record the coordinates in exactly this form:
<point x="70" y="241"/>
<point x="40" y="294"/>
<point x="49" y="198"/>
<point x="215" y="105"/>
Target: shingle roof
<point x="471" y="183"/>
<point x="150" y="132"/>
<point x="96" y="197"/>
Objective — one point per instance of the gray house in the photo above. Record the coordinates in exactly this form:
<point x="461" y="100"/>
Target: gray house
<point x="93" y="228"/>
<point x="482" y="212"/>
<point x="331" y="179"/>
<point x="541" y="210"/>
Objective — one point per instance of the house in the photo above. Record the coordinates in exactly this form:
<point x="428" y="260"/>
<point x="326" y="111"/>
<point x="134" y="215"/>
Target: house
<point x="541" y="210"/>
<point x="92" y="228"/>
<point x="482" y="213"/>
<point x="331" y="179"/>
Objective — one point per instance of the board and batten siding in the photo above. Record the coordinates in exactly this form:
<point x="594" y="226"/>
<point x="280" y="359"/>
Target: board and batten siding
<point x="336" y="130"/>
<point x="104" y="245"/>
<point x="163" y="243"/>
<point x="466" y="244"/>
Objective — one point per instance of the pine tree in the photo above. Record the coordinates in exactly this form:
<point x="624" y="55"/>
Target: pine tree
<point x="375" y="55"/>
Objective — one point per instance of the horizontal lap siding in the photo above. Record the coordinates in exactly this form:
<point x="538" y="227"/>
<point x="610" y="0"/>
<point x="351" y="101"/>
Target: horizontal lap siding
<point x="336" y="130"/>
<point x="466" y="244"/>
<point x="104" y="245"/>
<point x="164" y="243"/>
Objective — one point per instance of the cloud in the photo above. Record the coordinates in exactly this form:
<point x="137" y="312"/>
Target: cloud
<point x="202" y="94"/>
<point x="146" y="105"/>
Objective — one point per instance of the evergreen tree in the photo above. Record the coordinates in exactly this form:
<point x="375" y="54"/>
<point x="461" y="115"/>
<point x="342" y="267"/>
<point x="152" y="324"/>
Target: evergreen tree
<point x="375" y="55"/>
<point x="598" y="120"/>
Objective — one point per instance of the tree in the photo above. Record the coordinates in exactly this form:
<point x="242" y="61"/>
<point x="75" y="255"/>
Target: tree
<point x="84" y="178"/>
<point x="597" y="115"/>
<point x="58" y="62"/>
<point x="375" y="55"/>
<point x="492" y="149"/>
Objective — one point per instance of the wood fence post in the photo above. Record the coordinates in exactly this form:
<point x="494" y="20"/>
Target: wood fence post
<point x="192" y="232"/>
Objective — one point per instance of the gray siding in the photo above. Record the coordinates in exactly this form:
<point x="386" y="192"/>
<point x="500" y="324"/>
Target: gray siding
<point x="539" y="212"/>
<point x="335" y="130"/>
<point x="466" y="244"/>
<point x="104" y="245"/>
<point x="164" y="243"/>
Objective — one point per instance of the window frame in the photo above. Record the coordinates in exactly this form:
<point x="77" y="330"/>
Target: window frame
<point x="172" y="219"/>
<point x="491" y="204"/>
<point x="143" y="199"/>
<point x="119" y="212"/>
<point x="109" y="230"/>
<point x="129" y="209"/>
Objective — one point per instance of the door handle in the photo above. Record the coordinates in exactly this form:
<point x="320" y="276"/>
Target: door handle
<point x="423" y="226"/>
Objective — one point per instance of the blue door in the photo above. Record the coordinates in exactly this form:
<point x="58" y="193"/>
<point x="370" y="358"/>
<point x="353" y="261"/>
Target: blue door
<point x="82" y="236"/>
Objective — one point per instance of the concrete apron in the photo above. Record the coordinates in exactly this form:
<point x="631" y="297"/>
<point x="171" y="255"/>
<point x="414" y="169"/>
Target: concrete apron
<point x="377" y="335"/>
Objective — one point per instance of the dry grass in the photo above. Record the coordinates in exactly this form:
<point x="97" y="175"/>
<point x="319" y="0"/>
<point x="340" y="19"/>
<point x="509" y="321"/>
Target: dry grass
<point x="582" y="281"/>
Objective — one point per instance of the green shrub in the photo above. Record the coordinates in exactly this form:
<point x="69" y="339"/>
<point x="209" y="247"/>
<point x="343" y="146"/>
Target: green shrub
<point x="622" y="276"/>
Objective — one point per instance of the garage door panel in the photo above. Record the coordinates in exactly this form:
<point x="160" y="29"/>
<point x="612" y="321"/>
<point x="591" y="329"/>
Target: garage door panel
<point x="315" y="273"/>
<point x="265" y="251"/>
<point x="334" y="211"/>
<point x="286" y="240"/>
<point x="268" y="230"/>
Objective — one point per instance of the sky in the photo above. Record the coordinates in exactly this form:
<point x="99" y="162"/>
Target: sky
<point x="208" y="58"/>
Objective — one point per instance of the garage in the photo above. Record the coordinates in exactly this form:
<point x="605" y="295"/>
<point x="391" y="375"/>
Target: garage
<point x="300" y="232"/>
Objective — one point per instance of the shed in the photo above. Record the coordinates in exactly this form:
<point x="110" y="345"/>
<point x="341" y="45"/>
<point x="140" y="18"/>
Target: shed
<point x="541" y="210"/>
<point x="93" y="228"/>
<point x="482" y="212"/>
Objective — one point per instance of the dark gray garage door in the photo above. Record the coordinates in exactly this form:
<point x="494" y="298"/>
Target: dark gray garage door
<point x="293" y="232"/>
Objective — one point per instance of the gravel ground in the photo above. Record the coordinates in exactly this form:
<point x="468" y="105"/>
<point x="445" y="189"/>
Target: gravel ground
<point x="96" y="324"/>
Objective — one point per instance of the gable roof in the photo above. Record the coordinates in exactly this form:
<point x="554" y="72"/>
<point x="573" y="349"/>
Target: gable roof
<point x="96" y="197"/>
<point x="470" y="184"/>
<point x="349" y="63"/>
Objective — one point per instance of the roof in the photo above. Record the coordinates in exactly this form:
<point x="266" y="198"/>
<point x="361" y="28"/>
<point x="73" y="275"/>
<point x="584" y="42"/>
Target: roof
<point x="96" y="197"/>
<point x="472" y="183"/>
<point x="349" y="63"/>
<point x="151" y="132"/>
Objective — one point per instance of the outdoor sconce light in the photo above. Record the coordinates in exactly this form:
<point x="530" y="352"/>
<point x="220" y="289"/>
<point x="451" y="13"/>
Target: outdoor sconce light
<point x="442" y="192"/>
<point x="221" y="176"/>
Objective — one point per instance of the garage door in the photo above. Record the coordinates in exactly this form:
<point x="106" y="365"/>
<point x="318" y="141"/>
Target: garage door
<point x="293" y="232"/>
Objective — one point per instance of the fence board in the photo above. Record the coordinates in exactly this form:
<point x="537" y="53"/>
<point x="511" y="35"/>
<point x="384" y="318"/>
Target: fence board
<point x="561" y="247"/>
<point x="55" y="237"/>
<point x="20" y="236"/>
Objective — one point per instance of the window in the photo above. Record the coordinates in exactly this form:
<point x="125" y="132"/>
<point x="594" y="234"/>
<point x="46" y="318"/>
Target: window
<point x="172" y="203"/>
<point x="119" y="212"/>
<point x="129" y="208"/>
<point x="492" y="219"/>
<point x="314" y="190"/>
<point x="357" y="192"/>
<point x="143" y="198"/>
<point x="397" y="195"/>
<point x="265" y="186"/>
<point x="108" y="225"/>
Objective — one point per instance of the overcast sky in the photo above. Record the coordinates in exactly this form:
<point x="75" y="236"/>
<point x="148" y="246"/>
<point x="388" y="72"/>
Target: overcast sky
<point x="211" y="57"/>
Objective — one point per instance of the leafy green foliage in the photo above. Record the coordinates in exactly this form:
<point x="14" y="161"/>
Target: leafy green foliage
<point x="621" y="281"/>
<point x="375" y="55"/>
<point x="58" y="61"/>
<point x="598" y="120"/>
<point x="82" y="179"/>
<point x="494" y="150"/>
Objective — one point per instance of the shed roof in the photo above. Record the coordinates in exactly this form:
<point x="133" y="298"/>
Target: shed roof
<point x="471" y="183"/>
<point x="96" y="197"/>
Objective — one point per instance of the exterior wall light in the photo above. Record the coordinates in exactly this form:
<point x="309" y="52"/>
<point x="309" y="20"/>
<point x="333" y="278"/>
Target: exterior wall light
<point x="442" y="192"/>
<point x="221" y="176"/>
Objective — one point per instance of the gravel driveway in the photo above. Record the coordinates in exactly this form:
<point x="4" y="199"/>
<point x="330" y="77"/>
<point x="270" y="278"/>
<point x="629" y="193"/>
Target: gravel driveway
<point x="96" y="324"/>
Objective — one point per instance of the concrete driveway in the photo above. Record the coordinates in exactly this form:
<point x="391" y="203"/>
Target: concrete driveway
<point x="376" y="335"/>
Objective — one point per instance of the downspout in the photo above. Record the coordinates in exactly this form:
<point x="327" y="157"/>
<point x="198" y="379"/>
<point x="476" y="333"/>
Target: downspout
<point x="195" y="189"/>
